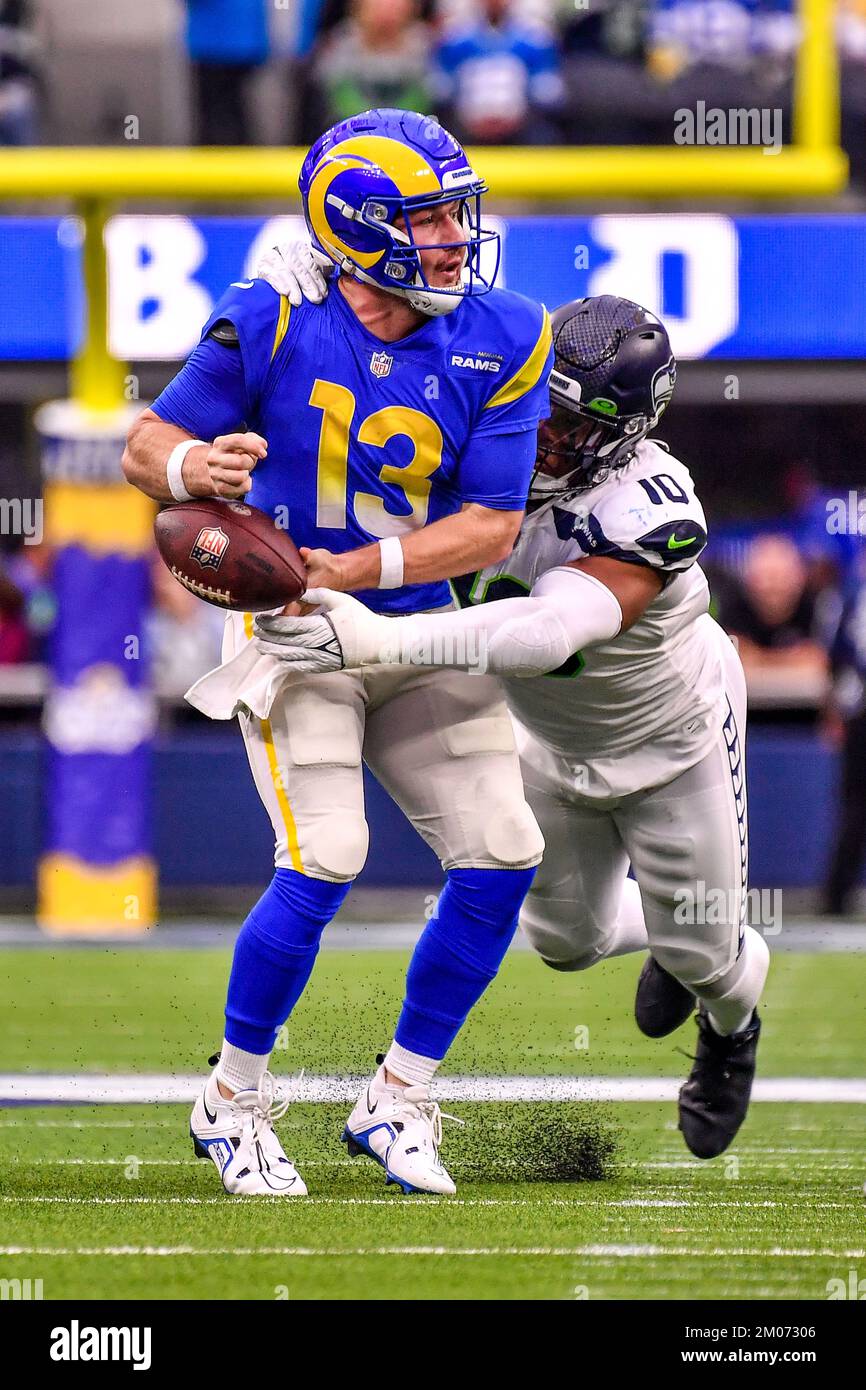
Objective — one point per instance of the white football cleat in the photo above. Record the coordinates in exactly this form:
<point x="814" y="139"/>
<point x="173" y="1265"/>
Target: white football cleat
<point x="401" y="1128"/>
<point x="238" y="1135"/>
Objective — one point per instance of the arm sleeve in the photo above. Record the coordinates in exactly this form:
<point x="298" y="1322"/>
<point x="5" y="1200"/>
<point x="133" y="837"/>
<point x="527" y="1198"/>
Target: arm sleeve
<point x="495" y="471"/>
<point x="208" y="396"/>
<point x="567" y="611"/>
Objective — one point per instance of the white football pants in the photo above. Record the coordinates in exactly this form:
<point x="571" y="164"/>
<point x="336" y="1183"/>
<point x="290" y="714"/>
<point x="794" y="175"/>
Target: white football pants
<point x="687" y="843"/>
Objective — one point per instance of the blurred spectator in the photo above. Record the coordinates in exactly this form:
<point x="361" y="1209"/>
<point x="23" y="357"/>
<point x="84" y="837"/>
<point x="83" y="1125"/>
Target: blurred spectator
<point x="17" y="74"/>
<point x="845" y="723"/>
<point x="227" y="42"/>
<point x="831" y="559"/>
<point x="757" y="36"/>
<point x="609" y="93"/>
<point x="724" y="53"/>
<point x="14" y="641"/>
<point x="183" y="634"/>
<point x="773" y="614"/>
<point x="30" y="570"/>
<point x="498" y="79"/>
<point x="377" y="57"/>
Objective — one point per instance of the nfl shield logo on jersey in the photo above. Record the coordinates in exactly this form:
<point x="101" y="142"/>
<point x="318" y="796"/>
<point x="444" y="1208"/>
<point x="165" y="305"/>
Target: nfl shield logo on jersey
<point x="209" y="548"/>
<point x="381" y="363"/>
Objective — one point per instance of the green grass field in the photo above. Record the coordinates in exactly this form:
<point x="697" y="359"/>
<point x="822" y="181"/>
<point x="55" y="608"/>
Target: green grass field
<point x="556" y="1201"/>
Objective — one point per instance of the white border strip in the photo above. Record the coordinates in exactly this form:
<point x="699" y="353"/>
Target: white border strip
<point x="147" y="1088"/>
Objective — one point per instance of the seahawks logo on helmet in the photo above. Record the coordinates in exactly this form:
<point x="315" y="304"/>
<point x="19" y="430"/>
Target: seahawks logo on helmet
<point x="663" y="383"/>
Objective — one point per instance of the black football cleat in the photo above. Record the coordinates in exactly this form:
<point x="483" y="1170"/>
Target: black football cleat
<point x="714" y="1101"/>
<point x="661" y="1003"/>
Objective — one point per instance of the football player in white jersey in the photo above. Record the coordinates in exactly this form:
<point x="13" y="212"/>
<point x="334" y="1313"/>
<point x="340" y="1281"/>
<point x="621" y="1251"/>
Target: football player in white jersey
<point x="628" y="698"/>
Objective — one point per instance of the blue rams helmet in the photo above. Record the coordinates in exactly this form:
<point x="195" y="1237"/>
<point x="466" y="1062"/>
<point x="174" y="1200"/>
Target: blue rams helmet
<point x="360" y="181"/>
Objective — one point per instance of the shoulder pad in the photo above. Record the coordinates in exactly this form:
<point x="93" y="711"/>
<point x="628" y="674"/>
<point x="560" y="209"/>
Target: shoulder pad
<point x="517" y="332"/>
<point x="253" y="318"/>
<point x="515" y="320"/>
<point x="655" y="521"/>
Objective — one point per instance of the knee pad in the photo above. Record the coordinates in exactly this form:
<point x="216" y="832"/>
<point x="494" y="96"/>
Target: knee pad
<point x="512" y="836"/>
<point x="334" y="846"/>
<point x="683" y="962"/>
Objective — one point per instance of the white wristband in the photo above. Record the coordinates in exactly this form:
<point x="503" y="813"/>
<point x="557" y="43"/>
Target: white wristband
<point x="391" y="563"/>
<point x="174" y="469"/>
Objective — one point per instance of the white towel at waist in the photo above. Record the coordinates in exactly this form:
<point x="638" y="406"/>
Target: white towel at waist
<point x="248" y="680"/>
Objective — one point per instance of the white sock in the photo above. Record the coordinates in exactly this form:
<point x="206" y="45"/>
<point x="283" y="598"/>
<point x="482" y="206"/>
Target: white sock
<point x="410" y="1067"/>
<point x="731" y="1011"/>
<point x="239" y="1070"/>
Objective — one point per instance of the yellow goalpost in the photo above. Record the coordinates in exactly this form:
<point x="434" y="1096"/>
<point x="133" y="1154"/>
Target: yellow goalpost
<point x="95" y="179"/>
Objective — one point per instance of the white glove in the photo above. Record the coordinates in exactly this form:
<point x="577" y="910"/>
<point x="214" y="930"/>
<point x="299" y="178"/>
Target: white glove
<point x="343" y="637"/>
<point x="296" y="270"/>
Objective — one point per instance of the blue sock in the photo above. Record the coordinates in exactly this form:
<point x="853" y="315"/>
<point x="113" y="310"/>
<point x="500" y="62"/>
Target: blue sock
<point x="274" y="956"/>
<point x="458" y="955"/>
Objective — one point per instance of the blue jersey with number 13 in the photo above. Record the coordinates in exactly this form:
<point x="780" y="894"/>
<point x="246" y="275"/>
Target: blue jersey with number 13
<point x="369" y="439"/>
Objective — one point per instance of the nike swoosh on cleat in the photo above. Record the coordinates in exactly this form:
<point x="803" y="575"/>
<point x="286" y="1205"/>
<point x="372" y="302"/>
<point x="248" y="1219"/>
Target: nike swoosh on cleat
<point x="211" y="1118"/>
<point x="371" y="1109"/>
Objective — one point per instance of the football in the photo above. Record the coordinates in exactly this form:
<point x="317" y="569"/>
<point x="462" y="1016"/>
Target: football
<point x="230" y="554"/>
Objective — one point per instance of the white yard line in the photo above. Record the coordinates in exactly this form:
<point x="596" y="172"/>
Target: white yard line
<point x="131" y="1088"/>
<point x="544" y="1252"/>
<point x="758" y="1161"/>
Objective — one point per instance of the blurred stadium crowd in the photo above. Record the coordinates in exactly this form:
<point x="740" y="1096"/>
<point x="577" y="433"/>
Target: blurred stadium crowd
<point x="495" y="71"/>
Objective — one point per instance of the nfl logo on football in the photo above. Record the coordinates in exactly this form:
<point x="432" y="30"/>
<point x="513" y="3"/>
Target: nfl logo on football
<point x="381" y="363"/>
<point x="209" y="548"/>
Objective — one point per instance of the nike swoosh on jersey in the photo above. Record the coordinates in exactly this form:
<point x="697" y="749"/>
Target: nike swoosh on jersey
<point x="674" y="544"/>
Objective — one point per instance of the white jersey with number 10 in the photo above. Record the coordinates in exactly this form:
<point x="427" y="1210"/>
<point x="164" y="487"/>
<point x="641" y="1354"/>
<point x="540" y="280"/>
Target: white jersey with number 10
<point x="634" y="711"/>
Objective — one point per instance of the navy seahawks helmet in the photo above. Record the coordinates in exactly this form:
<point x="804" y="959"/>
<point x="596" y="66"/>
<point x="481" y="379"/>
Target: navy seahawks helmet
<point x="613" y="375"/>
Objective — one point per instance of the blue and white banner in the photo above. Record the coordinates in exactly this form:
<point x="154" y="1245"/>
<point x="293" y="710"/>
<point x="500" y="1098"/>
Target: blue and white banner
<point x="727" y="287"/>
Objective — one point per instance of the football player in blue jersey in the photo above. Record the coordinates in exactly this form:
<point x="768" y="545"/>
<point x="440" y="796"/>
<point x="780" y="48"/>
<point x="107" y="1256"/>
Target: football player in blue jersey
<point x="392" y="429"/>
